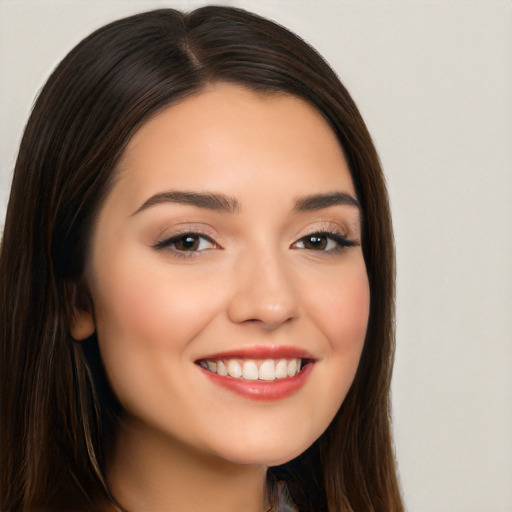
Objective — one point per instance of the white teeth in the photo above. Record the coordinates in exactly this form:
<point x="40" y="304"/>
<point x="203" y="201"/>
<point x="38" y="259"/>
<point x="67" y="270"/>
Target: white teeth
<point x="234" y="369"/>
<point x="221" y="369"/>
<point x="292" y="368"/>
<point x="267" y="370"/>
<point x="250" y="370"/>
<point x="281" y="370"/>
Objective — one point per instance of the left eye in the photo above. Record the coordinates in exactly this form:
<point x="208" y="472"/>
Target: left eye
<point x="187" y="242"/>
<point x="326" y="242"/>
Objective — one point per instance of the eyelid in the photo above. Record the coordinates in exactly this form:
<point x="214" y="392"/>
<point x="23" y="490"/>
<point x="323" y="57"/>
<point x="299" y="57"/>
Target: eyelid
<point x="341" y="240"/>
<point x="166" y="242"/>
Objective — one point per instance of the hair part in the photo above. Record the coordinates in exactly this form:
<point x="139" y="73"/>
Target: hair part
<point x="58" y="414"/>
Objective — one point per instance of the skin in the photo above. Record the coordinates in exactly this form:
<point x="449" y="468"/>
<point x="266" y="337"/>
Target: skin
<point x="186" y="443"/>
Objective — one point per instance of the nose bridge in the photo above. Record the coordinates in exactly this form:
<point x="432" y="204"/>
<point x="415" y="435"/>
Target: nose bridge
<point x="264" y="288"/>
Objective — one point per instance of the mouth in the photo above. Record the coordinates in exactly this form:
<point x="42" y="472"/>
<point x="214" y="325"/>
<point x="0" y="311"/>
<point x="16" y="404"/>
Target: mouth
<point x="266" y="370"/>
<point x="259" y="373"/>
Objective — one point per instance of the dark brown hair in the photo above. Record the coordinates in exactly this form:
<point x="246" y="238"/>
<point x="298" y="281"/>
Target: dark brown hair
<point x="58" y="415"/>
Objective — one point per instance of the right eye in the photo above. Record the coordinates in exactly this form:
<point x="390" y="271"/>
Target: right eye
<point x="324" y="241"/>
<point x="187" y="243"/>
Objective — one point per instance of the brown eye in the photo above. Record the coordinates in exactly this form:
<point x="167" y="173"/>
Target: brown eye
<point x="187" y="243"/>
<point x="324" y="242"/>
<point x="315" y="242"/>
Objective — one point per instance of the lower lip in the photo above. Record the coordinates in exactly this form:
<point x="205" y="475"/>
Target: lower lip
<point x="262" y="390"/>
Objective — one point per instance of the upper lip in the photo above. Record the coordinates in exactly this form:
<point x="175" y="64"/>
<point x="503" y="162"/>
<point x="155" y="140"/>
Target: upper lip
<point x="261" y="352"/>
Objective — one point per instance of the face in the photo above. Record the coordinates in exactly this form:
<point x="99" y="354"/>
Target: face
<point x="228" y="287"/>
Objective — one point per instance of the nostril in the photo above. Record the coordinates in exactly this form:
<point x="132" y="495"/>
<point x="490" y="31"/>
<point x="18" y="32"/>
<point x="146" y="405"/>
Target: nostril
<point x="264" y="294"/>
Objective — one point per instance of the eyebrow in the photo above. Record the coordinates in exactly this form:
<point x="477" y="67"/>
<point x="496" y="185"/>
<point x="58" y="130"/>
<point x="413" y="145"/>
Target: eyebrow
<point x="320" y="201"/>
<point x="226" y="204"/>
<point x="207" y="200"/>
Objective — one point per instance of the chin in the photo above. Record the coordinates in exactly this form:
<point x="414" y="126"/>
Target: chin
<point x="268" y="454"/>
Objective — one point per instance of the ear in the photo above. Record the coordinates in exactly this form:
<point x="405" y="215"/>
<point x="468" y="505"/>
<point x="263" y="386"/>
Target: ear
<point x="82" y="325"/>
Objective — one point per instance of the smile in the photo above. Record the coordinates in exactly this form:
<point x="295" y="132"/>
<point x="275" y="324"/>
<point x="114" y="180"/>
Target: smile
<point x="259" y="373"/>
<point x="265" y="370"/>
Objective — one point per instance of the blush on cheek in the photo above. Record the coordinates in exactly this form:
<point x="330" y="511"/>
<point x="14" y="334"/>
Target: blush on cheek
<point x="153" y="311"/>
<point x="346" y="313"/>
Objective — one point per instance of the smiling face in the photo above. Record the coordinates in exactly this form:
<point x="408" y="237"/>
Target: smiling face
<point x="230" y="244"/>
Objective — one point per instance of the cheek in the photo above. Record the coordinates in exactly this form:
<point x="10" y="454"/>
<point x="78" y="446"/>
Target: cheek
<point x="350" y="321"/>
<point x="342" y="309"/>
<point x="341" y="313"/>
<point x="145" y="320"/>
<point x="146" y="305"/>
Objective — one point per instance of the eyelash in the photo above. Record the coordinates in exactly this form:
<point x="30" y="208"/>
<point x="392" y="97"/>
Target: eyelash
<point x="340" y="241"/>
<point x="167" y="243"/>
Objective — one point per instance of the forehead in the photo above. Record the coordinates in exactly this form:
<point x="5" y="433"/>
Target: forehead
<point x="230" y="137"/>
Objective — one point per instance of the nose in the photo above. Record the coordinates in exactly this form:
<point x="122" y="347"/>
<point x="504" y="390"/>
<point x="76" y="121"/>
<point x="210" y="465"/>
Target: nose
<point x="264" y="293"/>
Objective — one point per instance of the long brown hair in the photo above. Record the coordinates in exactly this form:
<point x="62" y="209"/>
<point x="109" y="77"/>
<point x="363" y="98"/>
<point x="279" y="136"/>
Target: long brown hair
<point x="58" y="415"/>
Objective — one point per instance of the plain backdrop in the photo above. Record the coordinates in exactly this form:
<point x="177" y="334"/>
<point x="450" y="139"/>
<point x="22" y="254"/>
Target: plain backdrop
<point x="433" y="81"/>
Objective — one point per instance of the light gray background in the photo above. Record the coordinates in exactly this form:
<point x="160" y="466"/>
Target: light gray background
<point x="434" y="83"/>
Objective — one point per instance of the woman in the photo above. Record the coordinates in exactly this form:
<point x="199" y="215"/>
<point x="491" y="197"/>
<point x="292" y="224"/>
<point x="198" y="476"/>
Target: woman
<point x="197" y="280"/>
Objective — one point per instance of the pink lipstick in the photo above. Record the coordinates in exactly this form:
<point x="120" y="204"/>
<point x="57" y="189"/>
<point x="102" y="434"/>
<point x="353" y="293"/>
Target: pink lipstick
<point x="259" y="372"/>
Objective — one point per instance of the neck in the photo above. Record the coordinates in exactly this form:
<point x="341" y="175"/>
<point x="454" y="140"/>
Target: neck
<point x="150" y="471"/>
